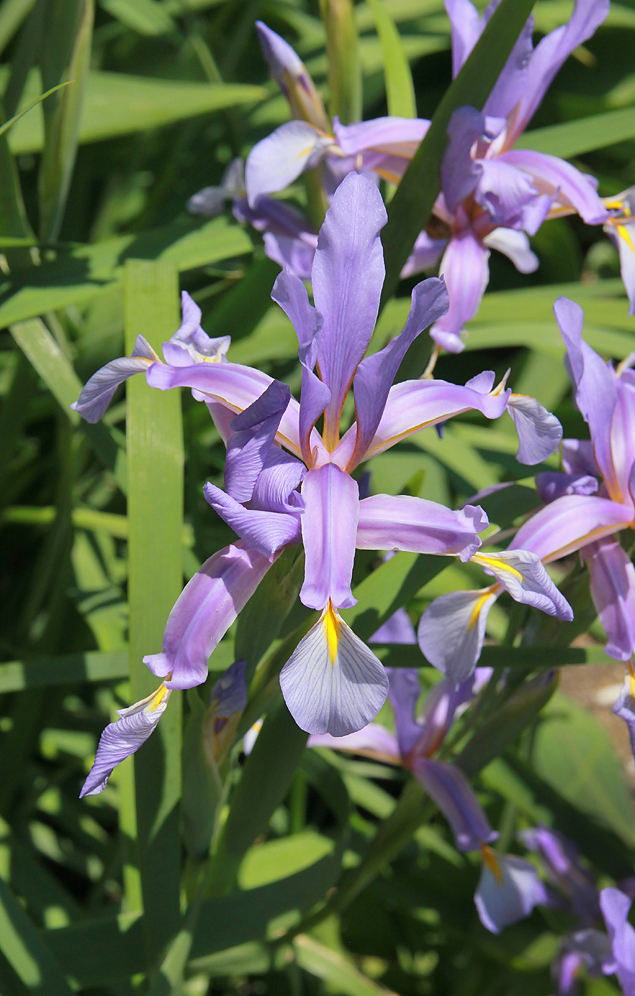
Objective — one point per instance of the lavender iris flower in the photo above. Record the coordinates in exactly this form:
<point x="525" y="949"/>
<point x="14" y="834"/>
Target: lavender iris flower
<point x="615" y="906"/>
<point x="332" y="682"/>
<point x="509" y="887"/>
<point x="575" y="518"/>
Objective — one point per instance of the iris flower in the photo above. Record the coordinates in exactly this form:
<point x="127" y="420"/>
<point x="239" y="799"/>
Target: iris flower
<point x="492" y="195"/>
<point x="586" y="505"/>
<point x="286" y="483"/>
<point x="509" y="887"/>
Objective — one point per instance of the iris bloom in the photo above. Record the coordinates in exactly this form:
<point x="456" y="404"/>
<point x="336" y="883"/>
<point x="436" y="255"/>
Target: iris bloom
<point x="285" y="483"/>
<point x="492" y="194"/>
<point x="509" y="887"/>
<point x="615" y="906"/>
<point x="125" y="736"/>
<point x="585" y="506"/>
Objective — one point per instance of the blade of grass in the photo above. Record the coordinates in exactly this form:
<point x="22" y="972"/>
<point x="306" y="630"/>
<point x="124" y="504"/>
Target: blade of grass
<point x="400" y="91"/>
<point x="26" y="952"/>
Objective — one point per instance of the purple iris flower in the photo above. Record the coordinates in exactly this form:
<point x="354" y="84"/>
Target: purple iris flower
<point x="509" y="887"/>
<point x="586" y="505"/>
<point x="332" y="682"/>
<point x="561" y="859"/>
<point x="125" y="736"/>
<point x="615" y="906"/>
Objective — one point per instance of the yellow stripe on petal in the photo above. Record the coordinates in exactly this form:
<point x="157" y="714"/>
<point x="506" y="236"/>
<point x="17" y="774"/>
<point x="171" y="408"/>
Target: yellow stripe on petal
<point x="494" y="563"/>
<point x="476" y="611"/>
<point x="623" y="231"/>
<point x="332" y="628"/>
<point x="491" y="861"/>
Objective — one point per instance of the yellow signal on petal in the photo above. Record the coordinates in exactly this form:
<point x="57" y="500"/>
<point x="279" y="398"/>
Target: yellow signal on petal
<point x="491" y="861"/>
<point x="332" y="626"/>
<point x="155" y="700"/>
<point x="476" y="611"/>
<point x="623" y="231"/>
<point x="495" y="564"/>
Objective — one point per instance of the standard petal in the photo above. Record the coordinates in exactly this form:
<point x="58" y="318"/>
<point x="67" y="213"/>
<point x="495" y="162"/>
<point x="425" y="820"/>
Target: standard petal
<point x="97" y="393"/>
<point x="373" y="741"/>
<point x="413" y="405"/>
<point x="615" y="907"/>
<point x="282" y="156"/>
<point x="348" y="274"/>
<point x="404" y="692"/>
<point x="465" y="269"/>
<point x="455" y="797"/>
<point x="452" y="629"/>
<point x="514" y="245"/>
<point x="400" y="522"/>
<point x="425" y="254"/>
<point x="466" y="26"/>
<point x="253" y="432"/>
<point x="264" y="531"/>
<point x="329" y="529"/>
<point x="503" y="190"/>
<point x="124" y="737"/>
<point x="570" y="523"/>
<point x="612" y="577"/>
<point x="333" y="683"/>
<point x="507" y="892"/>
<point x="539" y="432"/>
<point x="459" y="173"/>
<point x="397" y="629"/>
<point x="190" y="342"/>
<point x="203" y="613"/>
<point x="555" y="177"/>
<point x="376" y="373"/>
<point x="551" y="484"/>
<point x="275" y="489"/>
<point x="523" y="575"/>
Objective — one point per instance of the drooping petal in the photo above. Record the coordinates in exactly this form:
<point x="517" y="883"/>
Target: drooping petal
<point x="373" y="741"/>
<point x="282" y="156"/>
<point x="203" y="613"/>
<point x="452" y="629"/>
<point x="465" y="269"/>
<point x="514" y="245"/>
<point x="523" y="575"/>
<point x="539" y="432"/>
<point x="404" y="692"/>
<point x="622" y="235"/>
<point x="98" y="392"/>
<point x="264" y="531"/>
<point x="124" y="737"/>
<point x="401" y="522"/>
<point x="570" y="523"/>
<point x="413" y="405"/>
<point x="376" y="373"/>
<point x="397" y="629"/>
<point x="459" y="172"/>
<point x="466" y="27"/>
<point x="392" y="135"/>
<point x="329" y="529"/>
<point x="290" y="73"/>
<point x="615" y="906"/>
<point x="612" y="577"/>
<point x="333" y="683"/>
<point x="507" y="892"/>
<point x="455" y="797"/>
<point x="253" y="432"/>
<point x="551" y="484"/>
<point x="348" y="274"/>
<point x="555" y="177"/>
<point x="440" y="707"/>
<point x="190" y="343"/>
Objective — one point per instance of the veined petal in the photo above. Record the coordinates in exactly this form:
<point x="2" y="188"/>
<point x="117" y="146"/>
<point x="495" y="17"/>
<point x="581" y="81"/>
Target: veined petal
<point x="459" y="173"/>
<point x="514" y="245"/>
<point x="264" y="531"/>
<point x="203" y="613"/>
<point x="97" y="393"/>
<point x="416" y="404"/>
<point x="373" y="741"/>
<point x="523" y="575"/>
<point x="465" y="269"/>
<point x="539" y="432"/>
<point x="282" y="156"/>
<point x="124" y="737"/>
<point x="348" y="274"/>
<point x="615" y="906"/>
<point x="622" y="234"/>
<point x="503" y="190"/>
<point x="404" y="692"/>
<point x="400" y="522"/>
<point x="333" y="683"/>
<point x="553" y="176"/>
<point x="452" y="629"/>
<point x="376" y="373"/>
<point x="329" y="528"/>
<point x="455" y="797"/>
<point x="612" y="578"/>
<point x="569" y="523"/>
<point x="275" y="489"/>
<point x="508" y="891"/>
<point x="290" y="73"/>
<point x="253" y="432"/>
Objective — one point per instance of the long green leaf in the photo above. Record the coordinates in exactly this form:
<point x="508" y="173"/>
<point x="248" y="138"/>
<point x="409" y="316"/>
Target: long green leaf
<point x="335" y="969"/>
<point x="573" y="138"/>
<point x="155" y="518"/>
<point x="400" y="91"/>
<point x="409" y="210"/>
<point x="25" y="950"/>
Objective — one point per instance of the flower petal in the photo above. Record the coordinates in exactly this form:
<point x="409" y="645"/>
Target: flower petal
<point x="459" y="173"/>
<point x="503" y="190"/>
<point x="523" y="575"/>
<point x="455" y="797"/>
<point x="190" y="343"/>
<point x="376" y="373"/>
<point x="396" y="629"/>
<point x="400" y="522"/>
<point x="373" y="741"/>
<point x="466" y="26"/>
<point x="253" y="432"/>
<point x="612" y="577"/>
<point x="465" y="269"/>
<point x="348" y="274"/>
<point x="622" y="235"/>
<point x="124" y="737"/>
<point x="203" y="613"/>
<point x="333" y="683"/>
<point x="97" y="393"/>
<point x="293" y="79"/>
<point x="291" y="253"/>
<point x="514" y="245"/>
<point x="615" y="906"/>
<point x="578" y="457"/>
<point x="539" y="432"/>
<point x="425" y="254"/>
<point x="404" y="692"/>
<point x="568" y="524"/>
<point x="555" y="177"/>
<point x="275" y="489"/>
<point x="504" y="898"/>
<point x="282" y="156"/>
<point x="552" y="484"/>
<point x="329" y="528"/>
<point x="392" y="135"/>
<point x="624" y="706"/>
<point x="264" y="531"/>
<point x="452" y="629"/>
